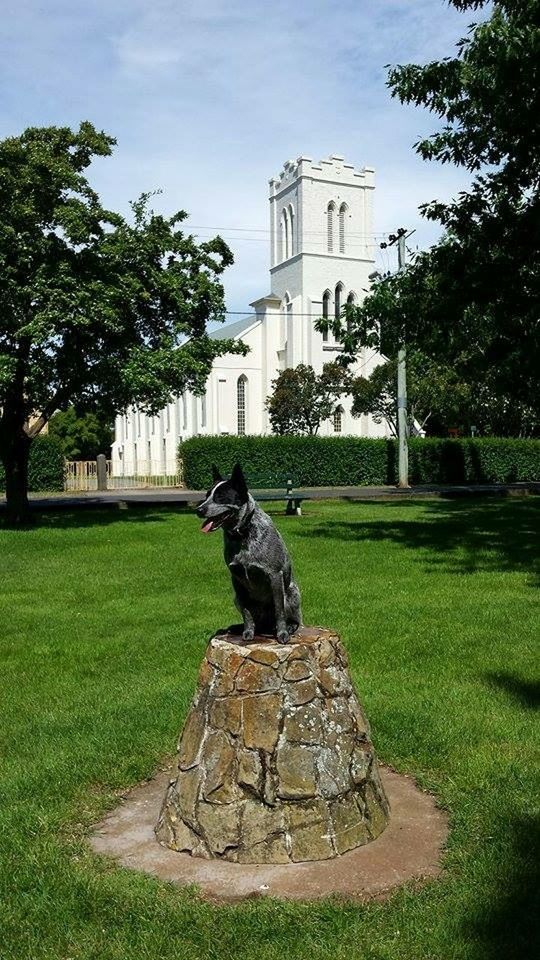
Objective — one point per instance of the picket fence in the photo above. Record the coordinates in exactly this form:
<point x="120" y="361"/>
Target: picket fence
<point x="81" y="476"/>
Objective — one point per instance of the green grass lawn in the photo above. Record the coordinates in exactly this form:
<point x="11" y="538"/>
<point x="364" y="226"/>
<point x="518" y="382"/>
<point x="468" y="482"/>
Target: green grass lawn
<point x="104" y="619"/>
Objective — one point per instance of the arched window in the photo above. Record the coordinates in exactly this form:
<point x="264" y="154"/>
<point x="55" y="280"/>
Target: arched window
<point x="286" y="235"/>
<point x="241" y="400"/>
<point x="282" y="252"/>
<point x="338" y="301"/>
<point x="326" y="311"/>
<point x="330" y="213"/>
<point x="342" y="212"/>
<point x="291" y="230"/>
<point x="286" y="310"/>
<point x="338" y="414"/>
<point x="351" y="300"/>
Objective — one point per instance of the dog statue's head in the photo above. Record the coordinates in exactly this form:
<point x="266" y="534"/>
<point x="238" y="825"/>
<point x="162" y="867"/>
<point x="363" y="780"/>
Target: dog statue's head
<point x="227" y="502"/>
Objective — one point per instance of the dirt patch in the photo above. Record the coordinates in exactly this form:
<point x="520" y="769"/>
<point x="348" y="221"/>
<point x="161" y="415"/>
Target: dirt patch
<point x="408" y="849"/>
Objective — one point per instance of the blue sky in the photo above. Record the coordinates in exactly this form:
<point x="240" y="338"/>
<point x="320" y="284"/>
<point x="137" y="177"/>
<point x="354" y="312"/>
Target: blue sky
<point x="208" y="98"/>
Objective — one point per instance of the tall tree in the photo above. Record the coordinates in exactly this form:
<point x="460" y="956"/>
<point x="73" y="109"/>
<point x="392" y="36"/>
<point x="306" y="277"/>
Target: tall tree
<point x="438" y="400"/>
<point x="434" y="395"/>
<point x="82" y="436"/>
<point x="472" y="299"/>
<point x="93" y="307"/>
<point x="302" y="399"/>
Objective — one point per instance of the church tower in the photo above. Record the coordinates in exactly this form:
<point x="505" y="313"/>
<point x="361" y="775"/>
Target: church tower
<point x="321" y="225"/>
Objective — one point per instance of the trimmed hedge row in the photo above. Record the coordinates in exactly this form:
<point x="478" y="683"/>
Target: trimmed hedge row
<point x="359" y="461"/>
<point x="478" y="460"/>
<point x="45" y="466"/>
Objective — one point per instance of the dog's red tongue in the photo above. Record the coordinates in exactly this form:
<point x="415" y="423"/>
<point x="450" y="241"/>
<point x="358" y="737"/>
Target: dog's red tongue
<point x="207" y="527"/>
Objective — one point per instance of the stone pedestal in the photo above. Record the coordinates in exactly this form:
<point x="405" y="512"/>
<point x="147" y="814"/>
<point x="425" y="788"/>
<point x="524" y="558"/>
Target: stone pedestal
<point x="275" y="761"/>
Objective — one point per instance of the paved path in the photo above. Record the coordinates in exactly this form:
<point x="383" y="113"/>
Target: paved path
<point x="177" y="497"/>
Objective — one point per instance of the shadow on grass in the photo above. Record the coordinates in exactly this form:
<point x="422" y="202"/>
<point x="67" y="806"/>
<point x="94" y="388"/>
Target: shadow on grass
<point x="508" y="925"/>
<point x="63" y="519"/>
<point x="462" y="536"/>
<point x="526" y="693"/>
<point x="89" y="515"/>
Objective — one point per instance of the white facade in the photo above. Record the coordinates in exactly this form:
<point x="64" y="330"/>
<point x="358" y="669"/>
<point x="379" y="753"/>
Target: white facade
<point x="321" y="255"/>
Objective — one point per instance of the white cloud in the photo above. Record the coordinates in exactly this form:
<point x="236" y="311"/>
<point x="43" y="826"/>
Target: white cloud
<point x="208" y="98"/>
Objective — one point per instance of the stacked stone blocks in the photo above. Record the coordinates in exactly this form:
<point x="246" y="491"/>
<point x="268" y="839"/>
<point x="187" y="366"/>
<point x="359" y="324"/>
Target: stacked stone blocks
<point x="275" y="762"/>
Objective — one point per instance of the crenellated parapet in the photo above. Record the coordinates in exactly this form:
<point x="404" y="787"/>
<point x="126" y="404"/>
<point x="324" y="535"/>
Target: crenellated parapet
<point x="331" y="168"/>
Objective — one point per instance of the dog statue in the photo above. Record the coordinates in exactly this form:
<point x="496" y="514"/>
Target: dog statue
<point x="260" y="567"/>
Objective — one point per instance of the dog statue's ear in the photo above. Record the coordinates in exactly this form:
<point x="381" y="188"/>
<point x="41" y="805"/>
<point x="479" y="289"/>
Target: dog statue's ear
<point x="239" y="482"/>
<point x="216" y="476"/>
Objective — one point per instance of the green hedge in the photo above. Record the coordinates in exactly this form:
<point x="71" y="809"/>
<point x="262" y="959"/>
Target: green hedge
<point x="359" y="461"/>
<point x="478" y="460"/>
<point x="45" y="467"/>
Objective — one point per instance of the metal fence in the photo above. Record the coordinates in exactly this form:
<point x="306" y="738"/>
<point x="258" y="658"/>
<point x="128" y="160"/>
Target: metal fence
<point x="82" y="475"/>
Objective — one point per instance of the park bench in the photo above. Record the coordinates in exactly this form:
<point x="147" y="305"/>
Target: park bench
<point x="267" y="487"/>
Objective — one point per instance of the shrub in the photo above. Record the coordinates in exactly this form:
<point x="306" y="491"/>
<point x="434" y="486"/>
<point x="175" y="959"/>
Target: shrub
<point x="45" y="467"/>
<point x="359" y="461"/>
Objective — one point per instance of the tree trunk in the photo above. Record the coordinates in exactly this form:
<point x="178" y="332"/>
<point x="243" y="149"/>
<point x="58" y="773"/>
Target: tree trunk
<point x="15" y="460"/>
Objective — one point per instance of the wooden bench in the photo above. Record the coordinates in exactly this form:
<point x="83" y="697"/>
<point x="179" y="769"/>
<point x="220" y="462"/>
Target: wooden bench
<point x="266" y="486"/>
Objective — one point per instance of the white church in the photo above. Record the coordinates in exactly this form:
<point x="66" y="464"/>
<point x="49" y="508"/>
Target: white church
<point x="321" y="256"/>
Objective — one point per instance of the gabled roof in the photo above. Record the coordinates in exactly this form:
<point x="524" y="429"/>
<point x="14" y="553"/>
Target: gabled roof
<point x="232" y="330"/>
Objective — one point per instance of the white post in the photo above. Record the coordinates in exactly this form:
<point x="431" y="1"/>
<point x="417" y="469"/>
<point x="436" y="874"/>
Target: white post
<point x="403" y="429"/>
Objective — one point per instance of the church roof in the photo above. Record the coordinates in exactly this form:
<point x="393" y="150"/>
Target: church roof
<point x="232" y="330"/>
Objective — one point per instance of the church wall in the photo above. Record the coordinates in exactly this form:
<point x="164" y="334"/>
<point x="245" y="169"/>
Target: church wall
<point x="222" y="389"/>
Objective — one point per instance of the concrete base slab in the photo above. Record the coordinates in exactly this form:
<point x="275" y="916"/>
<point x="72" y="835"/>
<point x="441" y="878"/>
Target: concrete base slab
<point x="409" y="849"/>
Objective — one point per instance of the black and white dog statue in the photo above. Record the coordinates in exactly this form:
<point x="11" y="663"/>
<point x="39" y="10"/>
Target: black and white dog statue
<point x="260" y="567"/>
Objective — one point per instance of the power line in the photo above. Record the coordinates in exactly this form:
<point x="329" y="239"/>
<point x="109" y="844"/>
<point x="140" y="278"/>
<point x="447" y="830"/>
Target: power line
<point x="266" y="230"/>
<point x="286" y="313"/>
<point x="351" y="245"/>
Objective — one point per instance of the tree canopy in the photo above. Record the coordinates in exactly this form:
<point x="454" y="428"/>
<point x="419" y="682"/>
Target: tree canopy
<point x="302" y="399"/>
<point x="82" y="437"/>
<point x="472" y="299"/>
<point x="438" y="400"/>
<point x="435" y="395"/>
<point x="94" y="308"/>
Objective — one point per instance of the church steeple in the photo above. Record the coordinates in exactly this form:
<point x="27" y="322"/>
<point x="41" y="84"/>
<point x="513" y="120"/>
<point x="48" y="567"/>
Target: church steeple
<point x="320" y="209"/>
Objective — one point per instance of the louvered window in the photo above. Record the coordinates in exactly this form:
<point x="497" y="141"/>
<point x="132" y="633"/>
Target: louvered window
<point x="241" y="405"/>
<point x="330" y="226"/>
<point x="342" y="213"/>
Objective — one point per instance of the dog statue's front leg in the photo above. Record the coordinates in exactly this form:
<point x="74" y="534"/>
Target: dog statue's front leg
<point x="249" y="625"/>
<point x="241" y="600"/>
<point x="278" y="594"/>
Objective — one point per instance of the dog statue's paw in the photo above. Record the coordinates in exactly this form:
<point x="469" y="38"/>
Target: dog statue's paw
<point x="283" y="636"/>
<point x="248" y="635"/>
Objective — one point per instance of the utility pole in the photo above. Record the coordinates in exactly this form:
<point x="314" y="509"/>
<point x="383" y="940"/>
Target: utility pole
<point x="403" y="429"/>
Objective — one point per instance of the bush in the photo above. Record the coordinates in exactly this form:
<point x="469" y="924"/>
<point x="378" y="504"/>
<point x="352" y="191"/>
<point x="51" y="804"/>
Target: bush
<point x="45" y="467"/>
<point x="359" y="461"/>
